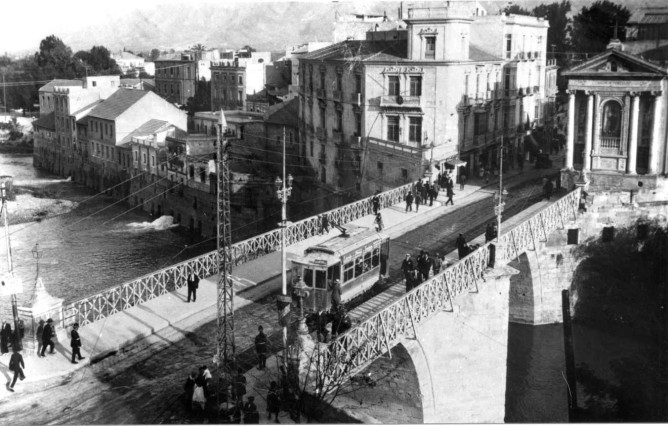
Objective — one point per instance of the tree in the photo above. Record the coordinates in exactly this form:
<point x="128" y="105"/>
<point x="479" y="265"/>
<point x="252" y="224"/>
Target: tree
<point x="155" y="54"/>
<point x="556" y="14"/>
<point x="594" y="26"/>
<point x="54" y="58"/>
<point x="198" y="49"/>
<point x="516" y="10"/>
<point x="249" y="48"/>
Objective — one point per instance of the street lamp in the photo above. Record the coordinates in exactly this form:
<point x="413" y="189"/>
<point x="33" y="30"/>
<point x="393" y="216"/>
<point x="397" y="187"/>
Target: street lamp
<point x="299" y="290"/>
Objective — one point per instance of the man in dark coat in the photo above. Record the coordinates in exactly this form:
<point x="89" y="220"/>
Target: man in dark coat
<point x="16" y="365"/>
<point x="424" y="265"/>
<point x="409" y="202"/>
<point x="76" y="344"/>
<point x="436" y="263"/>
<point x="193" y="285"/>
<point x="375" y="202"/>
<point x="490" y="232"/>
<point x="251" y="416"/>
<point x="450" y="194"/>
<point x="408" y="267"/>
<point x="38" y="336"/>
<point x="432" y="194"/>
<point x="462" y="248"/>
<point x="336" y="295"/>
<point x="47" y="337"/>
<point x="261" y="348"/>
<point x="418" y="200"/>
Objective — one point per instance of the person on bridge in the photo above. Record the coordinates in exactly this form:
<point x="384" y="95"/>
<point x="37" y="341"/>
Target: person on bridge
<point x="409" y="202"/>
<point x="261" y="348"/>
<point x="462" y="247"/>
<point x="193" y="284"/>
<point x="408" y="267"/>
<point x="324" y="224"/>
<point x="490" y="232"/>
<point x="189" y="389"/>
<point x="378" y="222"/>
<point x="424" y="265"/>
<point x="47" y="337"/>
<point x="75" y="343"/>
<point x="273" y="401"/>
<point x="417" y="200"/>
<point x="436" y="263"/>
<point x="547" y="189"/>
<point x="375" y="202"/>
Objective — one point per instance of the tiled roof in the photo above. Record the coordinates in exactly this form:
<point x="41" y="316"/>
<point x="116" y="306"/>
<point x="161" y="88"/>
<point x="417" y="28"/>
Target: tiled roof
<point x="48" y="87"/>
<point x="362" y="50"/>
<point x="127" y="55"/>
<point x="284" y="113"/>
<point x="148" y="128"/>
<point x="148" y="83"/>
<point x="117" y="103"/>
<point x="47" y="122"/>
<point x="649" y="15"/>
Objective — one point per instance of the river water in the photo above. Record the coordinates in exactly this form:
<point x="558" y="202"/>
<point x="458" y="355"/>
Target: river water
<point x="93" y="246"/>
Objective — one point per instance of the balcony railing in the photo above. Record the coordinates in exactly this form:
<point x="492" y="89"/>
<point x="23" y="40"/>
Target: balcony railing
<point x="321" y="133"/>
<point x="400" y="101"/>
<point x="337" y="95"/>
<point x="610" y="142"/>
<point x="413" y="148"/>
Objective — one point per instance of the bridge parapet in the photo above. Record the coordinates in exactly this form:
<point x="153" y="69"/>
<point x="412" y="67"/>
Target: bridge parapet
<point x="147" y="287"/>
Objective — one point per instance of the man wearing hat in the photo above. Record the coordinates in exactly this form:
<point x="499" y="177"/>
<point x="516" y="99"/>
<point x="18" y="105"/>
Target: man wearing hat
<point x="16" y="365"/>
<point x="38" y="336"/>
<point x="47" y="337"/>
<point x="408" y="267"/>
<point x="76" y="344"/>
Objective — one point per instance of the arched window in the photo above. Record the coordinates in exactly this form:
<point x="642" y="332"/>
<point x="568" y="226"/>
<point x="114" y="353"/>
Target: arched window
<point x="611" y="125"/>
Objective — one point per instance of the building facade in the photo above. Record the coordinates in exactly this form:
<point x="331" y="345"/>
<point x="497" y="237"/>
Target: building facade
<point x="176" y="79"/>
<point x="406" y="104"/>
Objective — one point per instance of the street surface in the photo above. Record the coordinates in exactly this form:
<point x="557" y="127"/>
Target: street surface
<point x="145" y="385"/>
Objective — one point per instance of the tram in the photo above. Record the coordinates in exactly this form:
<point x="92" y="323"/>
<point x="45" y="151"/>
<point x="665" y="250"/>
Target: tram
<point x="357" y="257"/>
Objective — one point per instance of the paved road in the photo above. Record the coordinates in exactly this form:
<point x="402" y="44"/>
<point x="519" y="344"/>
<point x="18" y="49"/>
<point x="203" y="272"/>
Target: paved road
<point x="145" y="384"/>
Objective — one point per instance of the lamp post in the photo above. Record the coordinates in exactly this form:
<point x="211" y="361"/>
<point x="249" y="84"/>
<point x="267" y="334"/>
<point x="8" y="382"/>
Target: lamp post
<point x="283" y="192"/>
<point x="499" y="200"/>
<point x="5" y="194"/>
<point x="299" y="289"/>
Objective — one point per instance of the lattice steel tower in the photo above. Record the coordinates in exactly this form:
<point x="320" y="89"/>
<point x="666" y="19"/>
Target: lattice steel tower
<point x="225" y="349"/>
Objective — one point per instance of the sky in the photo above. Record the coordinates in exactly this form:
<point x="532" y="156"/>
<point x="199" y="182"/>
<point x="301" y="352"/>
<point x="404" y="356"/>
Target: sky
<point x="39" y="18"/>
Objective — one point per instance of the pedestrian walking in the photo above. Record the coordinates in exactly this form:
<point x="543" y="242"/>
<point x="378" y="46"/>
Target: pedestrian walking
<point x="375" y="202"/>
<point x="418" y="187"/>
<point x="424" y="194"/>
<point x="261" y="348"/>
<point x="408" y="267"/>
<point x="462" y="247"/>
<point x="240" y="385"/>
<point x="38" y="336"/>
<point x="193" y="285"/>
<point x="424" y="265"/>
<point x="490" y="232"/>
<point x="273" y="401"/>
<point x="417" y="201"/>
<point x="251" y="416"/>
<point x="462" y="181"/>
<point x="324" y="223"/>
<point x="201" y="389"/>
<point x="378" y="222"/>
<point x="409" y="202"/>
<point x="16" y="365"/>
<point x="433" y="193"/>
<point x="5" y="337"/>
<point x="450" y="194"/>
<point x="557" y="186"/>
<point x="436" y="263"/>
<point x="75" y="343"/>
<point x="47" y="337"/>
<point x="336" y="294"/>
<point x="189" y="389"/>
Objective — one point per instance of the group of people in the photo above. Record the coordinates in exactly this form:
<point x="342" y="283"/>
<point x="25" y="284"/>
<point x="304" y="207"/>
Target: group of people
<point x="418" y="271"/>
<point x="44" y="335"/>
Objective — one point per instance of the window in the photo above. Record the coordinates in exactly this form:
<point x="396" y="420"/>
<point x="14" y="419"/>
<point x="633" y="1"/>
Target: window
<point x="415" y="129"/>
<point x="177" y="72"/>
<point x="339" y="82"/>
<point x="225" y="78"/>
<point x="339" y="121"/>
<point x="358" y="83"/>
<point x="479" y="123"/>
<point x="322" y="80"/>
<point x="506" y="81"/>
<point x="393" y="128"/>
<point x="144" y="157"/>
<point x="323" y="174"/>
<point x="323" y="118"/>
<point x="509" y="46"/>
<point x="416" y="86"/>
<point x="171" y="71"/>
<point x="241" y="80"/>
<point x="136" y="155"/>
<point x="430" y="47"/>
<point x="379" y="166"/>
<point x="404" y="174"/>
<point x="358" y="124"/>
<point x="152" y="160"/>
<point x="393" y="85"/>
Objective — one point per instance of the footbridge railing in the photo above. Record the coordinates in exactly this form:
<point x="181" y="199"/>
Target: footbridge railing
<point x="361" y="345"/>
<point x="132" y="293"/>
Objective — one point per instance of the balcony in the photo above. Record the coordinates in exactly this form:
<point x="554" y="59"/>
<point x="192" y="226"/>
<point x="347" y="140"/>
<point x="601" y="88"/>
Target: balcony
<point x="322" y="157"/>
<point x="356" y="141"/>
<point x="337" y="95"/>
<point x="337" y="136"/>
<point x="356" y="98"/>
<point x="400" y="101"/>
<point x="321" y="93"/>
<point x="321" y="133"/>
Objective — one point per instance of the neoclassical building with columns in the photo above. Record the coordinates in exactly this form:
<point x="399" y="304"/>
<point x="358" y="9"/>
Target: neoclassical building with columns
<point x="616" y="136"/>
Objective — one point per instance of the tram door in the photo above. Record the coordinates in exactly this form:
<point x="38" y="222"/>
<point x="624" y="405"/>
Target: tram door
<point x="315" y="278"/>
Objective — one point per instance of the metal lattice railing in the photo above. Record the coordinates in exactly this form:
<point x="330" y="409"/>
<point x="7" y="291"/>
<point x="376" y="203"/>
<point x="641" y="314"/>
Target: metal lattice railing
<point x="132" y="293"/>
<point x="361" y="345"/>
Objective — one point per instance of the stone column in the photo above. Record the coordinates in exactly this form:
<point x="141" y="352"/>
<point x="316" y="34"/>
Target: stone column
<point x="570" y="133"/>
<point x="633" y="140"/>
<point x="596" y="142"/>
<point x="586" y="164"/>
<point x="654" y="144"/>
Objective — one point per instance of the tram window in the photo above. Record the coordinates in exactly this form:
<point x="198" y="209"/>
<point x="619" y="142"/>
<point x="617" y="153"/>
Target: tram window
<point x="367" y="261"/>
<point x="320" y="279"/>
<point x="334" y="272"/>
<point x="375" y="259"/>
<point x="348" y="271"/>
<point x="359" y="268"/>
<point x="308" y="277"/>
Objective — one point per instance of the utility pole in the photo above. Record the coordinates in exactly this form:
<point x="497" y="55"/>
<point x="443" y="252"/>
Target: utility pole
<point x="225" y="347"/>
<point x="4" y="92"/>
<point x="4" y="194"/>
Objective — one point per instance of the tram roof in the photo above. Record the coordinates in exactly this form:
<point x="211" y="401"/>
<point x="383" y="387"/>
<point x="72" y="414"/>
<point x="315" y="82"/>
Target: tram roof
<point x="332" y="249"/>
